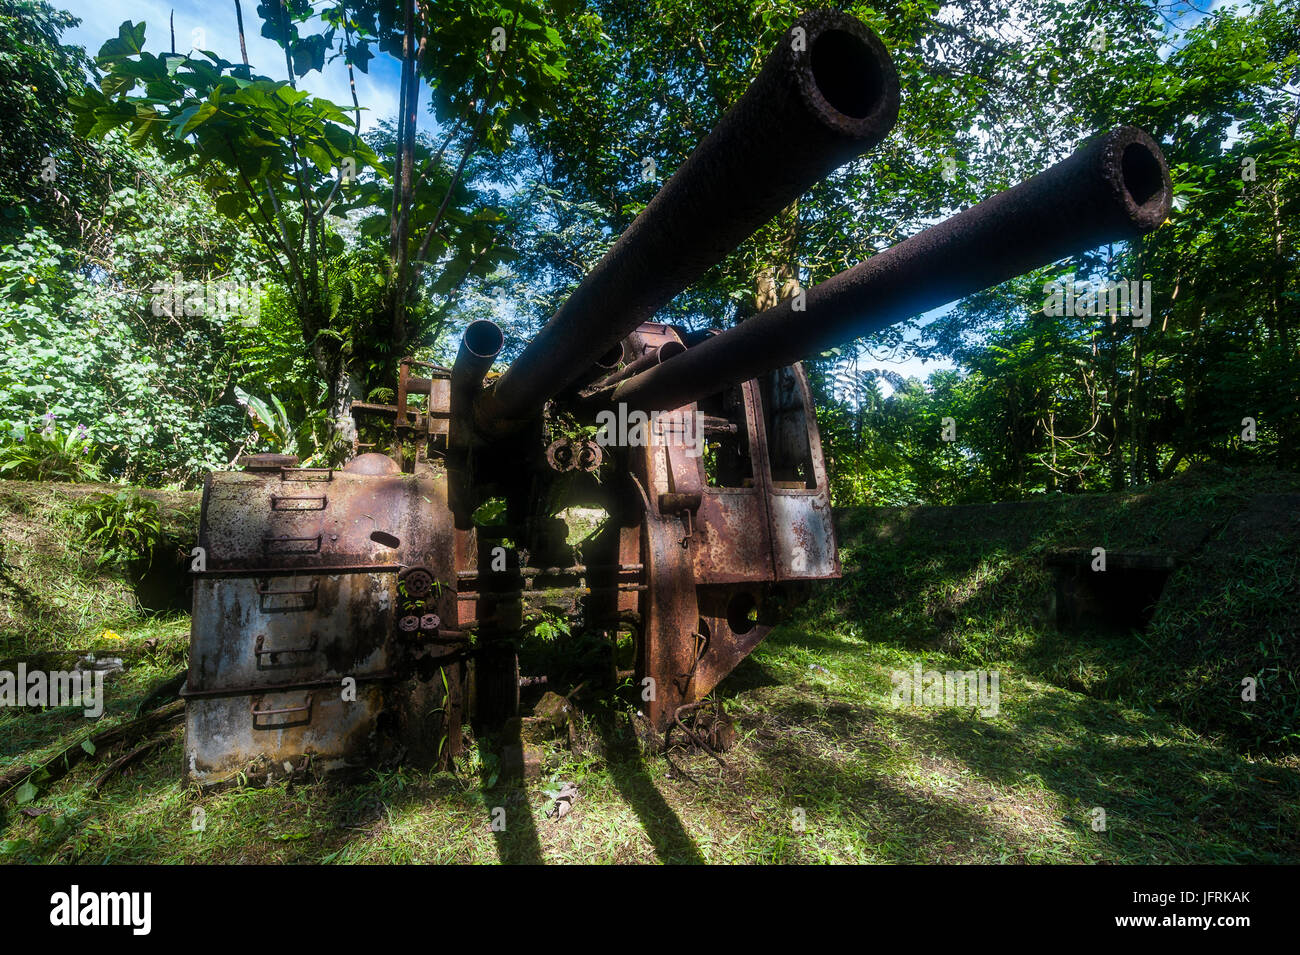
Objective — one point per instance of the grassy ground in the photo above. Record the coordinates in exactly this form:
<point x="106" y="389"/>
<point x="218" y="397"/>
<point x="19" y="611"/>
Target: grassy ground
<point x="973" y="582"/>
<point x="817" y="734"/>
<point x="55" y="594"/>
<point x="819" y="741"/>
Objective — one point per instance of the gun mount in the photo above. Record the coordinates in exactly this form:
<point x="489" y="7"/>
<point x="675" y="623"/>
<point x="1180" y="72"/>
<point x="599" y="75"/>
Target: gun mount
<point x="661" y="489"/>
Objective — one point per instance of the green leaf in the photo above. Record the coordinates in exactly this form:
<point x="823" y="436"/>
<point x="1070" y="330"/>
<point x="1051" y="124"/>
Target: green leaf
<point x="231" y="204"/>
<point x="190" y="119"/>
<point x="129" y="42"/>
<point x="361" y="56"/>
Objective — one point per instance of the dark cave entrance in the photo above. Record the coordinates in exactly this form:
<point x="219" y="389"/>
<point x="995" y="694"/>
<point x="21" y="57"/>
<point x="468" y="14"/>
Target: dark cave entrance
<point x="1119" y="599"/>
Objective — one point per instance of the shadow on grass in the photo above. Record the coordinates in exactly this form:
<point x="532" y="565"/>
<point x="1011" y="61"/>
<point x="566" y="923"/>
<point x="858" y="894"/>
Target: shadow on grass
<point x="1165" y="800"/>
<point x="510" y="817"/>
<point x="672" y="843"/>
<point x="1160" y="794"/>
<point x="749" y="674"/>
<point x="902" y="825"/>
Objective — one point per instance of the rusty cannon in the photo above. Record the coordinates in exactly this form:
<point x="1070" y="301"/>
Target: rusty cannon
<point x="660" y="490"/>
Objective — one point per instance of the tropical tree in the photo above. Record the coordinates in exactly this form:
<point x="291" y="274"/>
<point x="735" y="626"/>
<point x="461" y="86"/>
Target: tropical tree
<point x="289" y="166"/>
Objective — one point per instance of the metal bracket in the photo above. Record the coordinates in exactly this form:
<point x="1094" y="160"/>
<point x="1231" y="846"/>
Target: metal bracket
<point x="306" y="474"/>
<point x="263" y="593"/>
<point x="269" y="542"/>
<point x="261" y="651"/>
<point x="277" y="499"/>
<point x="283" y="711"/>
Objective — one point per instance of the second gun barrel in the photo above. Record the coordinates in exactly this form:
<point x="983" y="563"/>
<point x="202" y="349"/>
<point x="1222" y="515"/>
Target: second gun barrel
<point x="1114" y="187"/>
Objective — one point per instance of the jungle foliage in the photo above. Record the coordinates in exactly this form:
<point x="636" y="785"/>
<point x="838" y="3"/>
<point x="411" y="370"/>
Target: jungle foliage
<point x="137" y="180"/>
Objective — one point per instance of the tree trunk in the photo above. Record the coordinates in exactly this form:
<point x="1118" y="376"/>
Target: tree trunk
<point x="346" y="388"/>
<point x="404" y="185"/>
<point x="775" y="283"/>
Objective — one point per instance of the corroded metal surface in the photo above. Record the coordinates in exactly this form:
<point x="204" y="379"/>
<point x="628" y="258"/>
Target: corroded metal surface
<point x="265" y="731"/>
<point x="272" y="631"/>
<point x="728" y="536"/>
<point x="668" y="650"/>
<point x="733" y="619"/>
<point x="311" y="518"/>
<point x="798" y="497"/>
<point x="715" y="552"/>
<point x="297" y="648"/>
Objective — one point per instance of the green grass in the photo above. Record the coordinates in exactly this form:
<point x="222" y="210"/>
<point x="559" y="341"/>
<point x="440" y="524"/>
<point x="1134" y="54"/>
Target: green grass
<point x="972" y="581"/>
<point x="54" y="593"/>
<point x="817" y="734"/>
<point x="875" y="784"/>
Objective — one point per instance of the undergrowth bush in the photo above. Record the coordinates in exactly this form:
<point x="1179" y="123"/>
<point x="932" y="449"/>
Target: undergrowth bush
<point x="125" y="526"/>
<point x="46" y="453"/>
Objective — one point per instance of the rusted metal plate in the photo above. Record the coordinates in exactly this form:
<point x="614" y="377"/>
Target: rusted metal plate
<point x="727" y="535"/>
<point x="299" y="605"/>
<point x="311" y="518"/>
<point x="732" y="542"/>
<point x="226" y="735"/>
<point x="273" y="631"/>
<point x="667" y="608"/>
<point x="710" y="552"/>
<point x="669" y="616"/>
<point x="732" y="618"/>
<point x="629" y="550"/>
<point x="803" y="537"/>
<point x="797" y="498"/>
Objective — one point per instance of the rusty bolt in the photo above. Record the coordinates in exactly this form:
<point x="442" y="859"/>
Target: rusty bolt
<point x="589" y="456"/>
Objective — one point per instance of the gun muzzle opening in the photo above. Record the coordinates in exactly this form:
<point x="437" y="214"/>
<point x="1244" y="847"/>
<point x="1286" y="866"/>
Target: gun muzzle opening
<point x="668" y="350"/>
<point x="1146" y="182"/>
<point x="603" y="367"/>
<point x="847" y="73"/>
<point x="653" y="357"/>
<point x="479" y="346"/>
<point x="609" y="361"/>
<point x="483" y="339"/>
<point x="845" y="76"/>
<point x="1143" y="173"/>
<point x="1138" y="175"/>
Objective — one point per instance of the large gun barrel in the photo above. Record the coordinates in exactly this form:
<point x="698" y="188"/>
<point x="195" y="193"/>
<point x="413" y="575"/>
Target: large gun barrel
<point x="826" y="93"/>
<point x="1114" y="187"/>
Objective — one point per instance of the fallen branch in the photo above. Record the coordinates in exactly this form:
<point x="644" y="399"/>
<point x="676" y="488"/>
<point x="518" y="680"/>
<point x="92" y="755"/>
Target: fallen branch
<point x="57" y="766"/>
<point x="122" y="761"/>
<point x="162" y="692"/>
